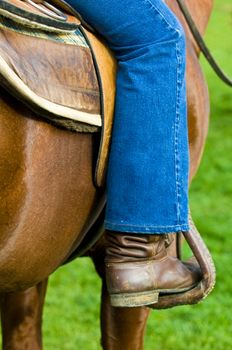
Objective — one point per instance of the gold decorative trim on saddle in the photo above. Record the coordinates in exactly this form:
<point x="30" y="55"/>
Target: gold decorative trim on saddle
<point x="60" y="69"/>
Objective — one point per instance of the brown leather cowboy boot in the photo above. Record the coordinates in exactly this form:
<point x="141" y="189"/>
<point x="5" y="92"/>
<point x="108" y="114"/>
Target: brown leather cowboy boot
<point x="138" y="269"/>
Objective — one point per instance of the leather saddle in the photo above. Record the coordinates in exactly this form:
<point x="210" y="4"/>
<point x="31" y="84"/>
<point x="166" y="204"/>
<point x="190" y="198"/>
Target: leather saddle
<point x="55" y="63"/>
<point x="58" y="68"/>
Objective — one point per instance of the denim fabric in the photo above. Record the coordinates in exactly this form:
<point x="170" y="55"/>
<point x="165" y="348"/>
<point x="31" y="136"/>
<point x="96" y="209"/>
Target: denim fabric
<point x="147" y="183"/>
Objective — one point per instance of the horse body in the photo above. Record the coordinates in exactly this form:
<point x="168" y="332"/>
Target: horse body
<point x="47" y="197"/>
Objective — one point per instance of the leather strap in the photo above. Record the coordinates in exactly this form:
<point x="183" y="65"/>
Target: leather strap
<point x="26" y="14"/>
<point x="200" y="42"/>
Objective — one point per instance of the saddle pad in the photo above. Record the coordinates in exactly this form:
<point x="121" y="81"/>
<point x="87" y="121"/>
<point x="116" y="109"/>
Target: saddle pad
<point x="52" y="72"/>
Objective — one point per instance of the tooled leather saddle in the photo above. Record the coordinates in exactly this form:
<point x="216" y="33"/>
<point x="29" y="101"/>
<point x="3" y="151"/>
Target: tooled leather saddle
<point x="53" y="61"/>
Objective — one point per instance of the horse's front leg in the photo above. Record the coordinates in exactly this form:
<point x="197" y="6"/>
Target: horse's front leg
<point x="121" y="328"/>
<point x="21" y="317"/>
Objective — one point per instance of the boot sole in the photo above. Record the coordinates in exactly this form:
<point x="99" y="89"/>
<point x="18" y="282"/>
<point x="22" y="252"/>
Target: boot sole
<point x="142" y="298"/>
<point x="134" y="299"/>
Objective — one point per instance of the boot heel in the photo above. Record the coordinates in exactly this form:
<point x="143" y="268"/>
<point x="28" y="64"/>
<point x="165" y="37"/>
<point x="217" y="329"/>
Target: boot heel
<point x="134" y="299"/>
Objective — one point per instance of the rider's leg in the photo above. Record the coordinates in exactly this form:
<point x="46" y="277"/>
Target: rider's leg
<point x="147" y="185"/>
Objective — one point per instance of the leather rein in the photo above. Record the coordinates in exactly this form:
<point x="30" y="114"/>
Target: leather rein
<point x="201" y="44"/>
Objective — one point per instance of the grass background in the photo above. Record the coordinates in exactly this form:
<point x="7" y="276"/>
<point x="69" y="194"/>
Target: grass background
<point x="71" y="317"/>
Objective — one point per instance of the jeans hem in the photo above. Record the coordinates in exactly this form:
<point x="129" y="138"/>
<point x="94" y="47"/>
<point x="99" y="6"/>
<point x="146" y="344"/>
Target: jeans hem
<point x="146" y="228"/>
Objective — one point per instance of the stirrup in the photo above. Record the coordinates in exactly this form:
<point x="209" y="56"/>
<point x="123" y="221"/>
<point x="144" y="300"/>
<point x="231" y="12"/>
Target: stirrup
<point x="204" y="260"/>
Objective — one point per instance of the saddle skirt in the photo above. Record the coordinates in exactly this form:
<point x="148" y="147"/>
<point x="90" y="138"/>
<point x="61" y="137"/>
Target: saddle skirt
<point x="60" y="69"/>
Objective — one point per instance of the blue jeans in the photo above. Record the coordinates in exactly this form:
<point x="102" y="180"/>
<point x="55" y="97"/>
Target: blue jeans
<point x="147" y="183"/>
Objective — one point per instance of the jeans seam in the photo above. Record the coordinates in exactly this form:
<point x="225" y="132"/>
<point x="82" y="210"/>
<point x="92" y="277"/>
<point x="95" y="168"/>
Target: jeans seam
<point x="144" y="226"/>
<point x="176" y="139"/>
<point x="163" y="17"/>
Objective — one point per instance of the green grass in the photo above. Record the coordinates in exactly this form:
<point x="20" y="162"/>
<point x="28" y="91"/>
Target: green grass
<point x="71" y="316"/>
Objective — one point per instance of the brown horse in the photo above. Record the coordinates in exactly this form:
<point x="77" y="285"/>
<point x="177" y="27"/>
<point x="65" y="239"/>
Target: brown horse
<point x="47" y="197"/>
